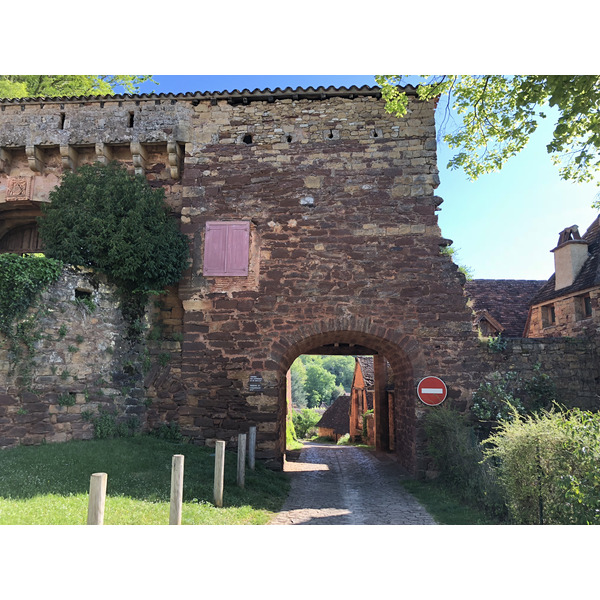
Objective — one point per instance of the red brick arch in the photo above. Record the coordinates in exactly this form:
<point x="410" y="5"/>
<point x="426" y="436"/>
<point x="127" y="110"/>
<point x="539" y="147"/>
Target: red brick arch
<point x="401" y="351"/>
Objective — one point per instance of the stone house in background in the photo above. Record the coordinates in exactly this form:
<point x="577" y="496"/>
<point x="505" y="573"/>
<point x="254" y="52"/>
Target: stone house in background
<point x="568" y="304"/>
<point x="500" y="306"/>
<point x="361" y="394"/>
<point x="335" y="421"/>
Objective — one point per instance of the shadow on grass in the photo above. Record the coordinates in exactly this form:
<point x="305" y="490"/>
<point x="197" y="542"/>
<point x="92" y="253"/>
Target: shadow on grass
<point x="137" y="467"/>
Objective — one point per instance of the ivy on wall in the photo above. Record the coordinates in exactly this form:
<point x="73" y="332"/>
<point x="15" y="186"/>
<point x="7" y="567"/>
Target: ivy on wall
<point x="22" y="278"/>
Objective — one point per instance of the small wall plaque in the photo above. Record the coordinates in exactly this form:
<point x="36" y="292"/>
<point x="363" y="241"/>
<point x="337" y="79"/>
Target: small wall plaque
<point x="255" y="383"/>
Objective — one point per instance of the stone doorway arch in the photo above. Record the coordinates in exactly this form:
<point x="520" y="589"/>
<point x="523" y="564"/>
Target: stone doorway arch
<point x="388" y="347"/>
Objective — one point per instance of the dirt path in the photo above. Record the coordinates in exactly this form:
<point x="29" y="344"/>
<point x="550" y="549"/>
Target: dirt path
<point x="344" y="485"/>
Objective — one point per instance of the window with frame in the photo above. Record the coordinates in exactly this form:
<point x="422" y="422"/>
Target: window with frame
<point x="226" y="248"/>
<point x="548" y="315"/>
<point x="583" y="307"/>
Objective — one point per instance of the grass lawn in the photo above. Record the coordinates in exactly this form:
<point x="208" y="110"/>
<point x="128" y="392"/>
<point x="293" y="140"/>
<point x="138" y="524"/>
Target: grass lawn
<point x="444" y="506"/>
<point x="49" y="484"/>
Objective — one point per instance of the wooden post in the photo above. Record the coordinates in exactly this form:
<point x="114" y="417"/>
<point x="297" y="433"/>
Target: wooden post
<point x="219" y="472"/>
<point x="251" y="447"/>
<point x="97" y="499"/>
<point x="176" y="489"/>
<point x="241" y="460"/>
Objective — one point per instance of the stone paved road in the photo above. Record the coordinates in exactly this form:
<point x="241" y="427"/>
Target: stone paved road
<point x="344" y="485"/>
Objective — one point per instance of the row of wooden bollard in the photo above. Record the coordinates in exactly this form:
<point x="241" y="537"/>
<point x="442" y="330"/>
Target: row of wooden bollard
<point x="98" y="481"/>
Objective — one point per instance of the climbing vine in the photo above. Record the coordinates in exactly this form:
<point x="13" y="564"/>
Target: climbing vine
<point x="22" y="279"/>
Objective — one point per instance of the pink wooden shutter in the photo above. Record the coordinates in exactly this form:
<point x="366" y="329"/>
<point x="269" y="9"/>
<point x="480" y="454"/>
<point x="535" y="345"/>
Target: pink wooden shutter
<point x="226" y="248"/>
<point x="238" y="243"/>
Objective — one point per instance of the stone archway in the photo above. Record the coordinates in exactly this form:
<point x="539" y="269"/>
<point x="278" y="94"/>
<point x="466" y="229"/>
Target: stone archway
<point x="386" y="346"/>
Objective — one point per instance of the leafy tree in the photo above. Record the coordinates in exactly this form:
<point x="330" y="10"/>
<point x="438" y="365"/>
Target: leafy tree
<point x="34" y="86"/>
<point x="501" y="112"/>
<point x="320" y="384"/>
<point x="304" y="421"/>
<point x="298" y="373"/>
<point x="343" y="369"/>
<point x="104" y="218"/>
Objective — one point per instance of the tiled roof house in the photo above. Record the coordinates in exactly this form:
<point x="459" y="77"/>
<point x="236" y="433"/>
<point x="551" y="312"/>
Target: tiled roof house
<point x="500" y="306"/>
<point x="568" y="303"/>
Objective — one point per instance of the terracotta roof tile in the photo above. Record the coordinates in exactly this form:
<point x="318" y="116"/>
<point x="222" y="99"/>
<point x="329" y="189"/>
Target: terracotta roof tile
<point x="506" y="300"/>
<point x="337" y="416"/>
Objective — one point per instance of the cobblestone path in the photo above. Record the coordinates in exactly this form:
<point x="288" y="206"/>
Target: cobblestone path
<point x="344" y="485"/>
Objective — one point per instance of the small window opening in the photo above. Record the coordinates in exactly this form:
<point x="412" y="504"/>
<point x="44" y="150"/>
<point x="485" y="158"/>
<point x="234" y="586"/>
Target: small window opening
<point x="62" y="121"/>
<point x="330" y="136"/>
<point x="548" y="315"/>
<point x="375" y="134"/>
<point x="130" y="123"/>
<point x="583" y="307"/>
<point x="247" y="139"/>
<point x="83" y="295"/>
<point x="289" y="138"/>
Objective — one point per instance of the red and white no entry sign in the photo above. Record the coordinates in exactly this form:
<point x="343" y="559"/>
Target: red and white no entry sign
<point x="432" y="390"/>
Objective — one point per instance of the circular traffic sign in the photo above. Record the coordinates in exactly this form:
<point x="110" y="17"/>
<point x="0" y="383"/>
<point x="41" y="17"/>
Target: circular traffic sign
<point x="432" y="390"/>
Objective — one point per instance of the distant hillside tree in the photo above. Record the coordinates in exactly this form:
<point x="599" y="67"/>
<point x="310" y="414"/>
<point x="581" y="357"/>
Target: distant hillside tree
<point x="48" y="86"/>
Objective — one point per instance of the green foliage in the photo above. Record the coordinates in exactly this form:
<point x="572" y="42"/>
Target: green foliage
<point x="47" y="86"/>
<point x="50" y="485"/>
<point x="22" y="279"/>
<point x="104" y="218"/>
<point x="458" y="458"/>
<point x="496" y="343"/>
<point x="549" y="466"/>
<point x="107" y="425"/>
<point x="510" y="393"/>
<point x="343" y="369"/>
<point x="320" y="385"/>
<point x="298" y="374"/>
<point x="169" y="432"/>
<point x="66" y="399"/>
<point x="453" y="254"/>
<point x="305" y="421"/>
<point x="495" y="400"/>
<point x="500" y="113"/>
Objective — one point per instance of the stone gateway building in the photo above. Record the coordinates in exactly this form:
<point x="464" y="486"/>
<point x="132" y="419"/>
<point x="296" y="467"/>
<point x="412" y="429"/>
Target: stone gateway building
<point x="311" y="217"/>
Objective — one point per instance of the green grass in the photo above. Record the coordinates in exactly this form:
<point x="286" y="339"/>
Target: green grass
<point x="49" y="484"/>
<point x="444" y="506"/>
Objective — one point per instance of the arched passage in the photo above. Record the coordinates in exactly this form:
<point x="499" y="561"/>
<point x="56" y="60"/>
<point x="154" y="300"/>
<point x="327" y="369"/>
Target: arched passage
<point x="387" y="348"/>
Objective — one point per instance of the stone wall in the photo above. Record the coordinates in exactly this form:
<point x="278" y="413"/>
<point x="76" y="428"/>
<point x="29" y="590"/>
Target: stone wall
<point x="79" y="368"/>
<point x="572" y="363"/>
<point x="344" y="257"/>
<point x="569" y="317"/>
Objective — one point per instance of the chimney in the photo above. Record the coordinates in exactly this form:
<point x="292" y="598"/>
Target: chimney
<point x="569" y="256"/>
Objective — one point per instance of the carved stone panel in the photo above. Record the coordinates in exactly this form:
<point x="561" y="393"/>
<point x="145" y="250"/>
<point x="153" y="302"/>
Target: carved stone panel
<point x="19" y="188"/>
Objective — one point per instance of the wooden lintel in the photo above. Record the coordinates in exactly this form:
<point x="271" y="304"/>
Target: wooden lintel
<point x="35" y="158"/>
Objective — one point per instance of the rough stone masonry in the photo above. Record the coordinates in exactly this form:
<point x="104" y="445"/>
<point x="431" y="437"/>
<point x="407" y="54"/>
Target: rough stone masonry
<point x="311" y="216"/>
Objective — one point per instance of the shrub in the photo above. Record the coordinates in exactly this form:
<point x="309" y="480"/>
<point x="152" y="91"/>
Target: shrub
<point x="169" y="432"/>
<point x="458" y="457"/>
<point x="305" y="421"/>
<point x="106" y="219"/>
<point x="548" y="465"/>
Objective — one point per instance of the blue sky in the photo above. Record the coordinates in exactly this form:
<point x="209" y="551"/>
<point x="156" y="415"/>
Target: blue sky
<point x="503" y="225"/>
